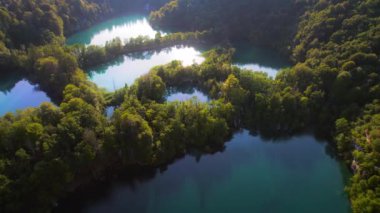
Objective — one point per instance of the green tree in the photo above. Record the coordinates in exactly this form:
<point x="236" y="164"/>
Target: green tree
<point x="150" y="87"/>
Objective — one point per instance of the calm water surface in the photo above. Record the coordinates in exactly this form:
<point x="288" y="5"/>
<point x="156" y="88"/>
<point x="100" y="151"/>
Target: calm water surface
<point x="252" y="175"/>
<point x="124" y="27"/>
<point x="187" y="95"/>
<point x="259" y="59"/>
<point x="126" y="69"/>
<point x="21" y="96"/>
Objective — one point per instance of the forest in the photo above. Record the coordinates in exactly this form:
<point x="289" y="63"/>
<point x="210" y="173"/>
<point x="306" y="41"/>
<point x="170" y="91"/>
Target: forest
<point x="332" y="88"/>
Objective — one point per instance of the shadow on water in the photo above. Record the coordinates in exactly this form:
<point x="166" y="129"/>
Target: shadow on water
<point x="9" y="81"/>
<point x="130" y="178"/>
<point x="286" y="165"/>
<point x="248" y="54"/>
<point x="101" y="69"/>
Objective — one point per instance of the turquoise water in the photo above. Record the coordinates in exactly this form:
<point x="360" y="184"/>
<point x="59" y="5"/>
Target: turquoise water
<point x="21" y="96"/>
<point x="251" y="175"/>
<point x="293" y="175"/>
<point x="126" y="69"/>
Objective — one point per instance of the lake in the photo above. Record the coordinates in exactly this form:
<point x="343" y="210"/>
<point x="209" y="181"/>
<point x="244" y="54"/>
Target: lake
<point x="251" y="175"/>
<point x="126" y="69"/>
<point x="20" y="96"/>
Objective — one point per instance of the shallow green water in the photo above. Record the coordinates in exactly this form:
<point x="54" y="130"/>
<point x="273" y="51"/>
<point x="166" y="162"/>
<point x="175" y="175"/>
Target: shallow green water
<point x="126" y="69"/>
<point x="292" y="175"/>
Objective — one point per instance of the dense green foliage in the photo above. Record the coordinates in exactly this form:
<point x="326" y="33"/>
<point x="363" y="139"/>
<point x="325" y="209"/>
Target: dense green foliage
<point x="44" y="21"/>
<point x="40" y="22"/>
<point x="258" y="101"/>
<point x="74" y="141"/>
<point x="30" y="23"/>
<point x="42" y="149"/>
<point x="360" y="141"/>
<point x="121" y="6"/>
<point x="263" y="22"/>
<point x="339" y="58"/>
<point x="337" y="53"/>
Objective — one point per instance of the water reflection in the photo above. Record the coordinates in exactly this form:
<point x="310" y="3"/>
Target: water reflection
<point x="259" y="59"/>
<point x="124" y="27"/>
<point x="8" y="81"/>
<point x="126" y="69"/>
<point x="186" y="94"/>
<point x="21" y="96"/>
<point x="250" y="175"/>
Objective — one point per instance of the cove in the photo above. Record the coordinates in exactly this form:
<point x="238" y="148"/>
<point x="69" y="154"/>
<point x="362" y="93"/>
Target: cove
<point x="294" y="175"/>
<point x="126" y="69"/>
<point x="22" y="95"/>
<point x="259" y="59"/>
